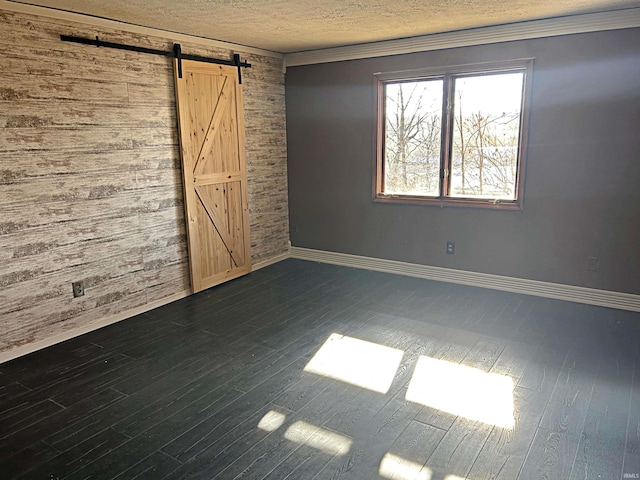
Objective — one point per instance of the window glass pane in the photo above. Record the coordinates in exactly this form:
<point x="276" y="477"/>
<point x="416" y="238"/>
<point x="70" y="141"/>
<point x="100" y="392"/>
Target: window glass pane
<point x="412" y="137"/>
<point x="486" y="131"/>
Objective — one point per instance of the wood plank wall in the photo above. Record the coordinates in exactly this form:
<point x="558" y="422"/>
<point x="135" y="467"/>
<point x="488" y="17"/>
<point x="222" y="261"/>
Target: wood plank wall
<point x="90" y="185"/>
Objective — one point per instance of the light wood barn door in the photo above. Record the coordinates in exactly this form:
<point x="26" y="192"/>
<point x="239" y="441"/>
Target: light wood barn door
<point x="211" y="124"/>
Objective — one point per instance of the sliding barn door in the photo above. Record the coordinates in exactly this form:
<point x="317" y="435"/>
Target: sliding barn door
<point x="211" y="124"/>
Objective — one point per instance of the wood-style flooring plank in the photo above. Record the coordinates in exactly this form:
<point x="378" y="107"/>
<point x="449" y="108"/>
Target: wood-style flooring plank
<point x="543" y="370"/>
<point x="151" y="438"/>
<point x="61" y="359"/>
<point x="131" y="405"/>
<point x="206" y="433"/>
<point x="147" y="371"/>
<point x="459" y="447"/>
<point x="24" y="438"/>
<point x="505" y="451"/>
<point x="372" y="436"/>
<point x="567" y="409"/>
<point x="155" y="466"/>
<point x="25" y="459"/>
<point x="234" y="435"/>
<point x="306" y="461"/>
<point x="601" y="451"/>
<point x="74" y="459"/>
<point x="14" y="420"/>
<point x="299" y="428"/>
<point x="551" y="456"/>
<point x="412" y="450"/>
<point x="632" y="449"/>
<point x="513" y="360"/>
<point x="56" y="382"/>
<point x="214" y="386"/>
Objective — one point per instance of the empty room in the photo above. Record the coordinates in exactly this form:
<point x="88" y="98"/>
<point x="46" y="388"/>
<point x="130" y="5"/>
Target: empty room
<point x="320" y="240"/>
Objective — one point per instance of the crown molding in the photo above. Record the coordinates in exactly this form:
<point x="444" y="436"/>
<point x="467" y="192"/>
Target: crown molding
<point x="590" y="22"/>
<point x="27" y="9"/>
<point x="571" y="293"/>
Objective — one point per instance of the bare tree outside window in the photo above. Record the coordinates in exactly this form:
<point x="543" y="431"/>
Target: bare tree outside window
<point x="453" y="137"/>
<point x="413" y="137"/>
<point x="485" y="135"/>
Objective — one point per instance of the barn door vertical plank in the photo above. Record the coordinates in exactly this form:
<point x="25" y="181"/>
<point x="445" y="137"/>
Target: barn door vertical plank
<point x="211" y="125"/>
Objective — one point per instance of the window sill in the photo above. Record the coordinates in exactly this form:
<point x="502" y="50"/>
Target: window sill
<point x="450" y="202"/>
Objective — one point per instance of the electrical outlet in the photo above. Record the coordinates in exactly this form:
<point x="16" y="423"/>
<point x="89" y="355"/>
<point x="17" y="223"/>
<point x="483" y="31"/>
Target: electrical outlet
<point x="451" y="248"/>
<point x="78" y="288"/>
<point x="592" y="264"/>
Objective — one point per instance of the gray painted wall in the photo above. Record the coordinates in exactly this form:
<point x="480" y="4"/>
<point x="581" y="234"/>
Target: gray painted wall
<point x="582" y="194"/>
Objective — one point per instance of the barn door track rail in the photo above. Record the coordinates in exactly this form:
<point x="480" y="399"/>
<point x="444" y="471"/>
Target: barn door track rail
<point x="175" y="53"/>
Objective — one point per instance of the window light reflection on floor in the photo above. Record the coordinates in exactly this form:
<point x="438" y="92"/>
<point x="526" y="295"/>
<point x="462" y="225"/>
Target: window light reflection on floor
<point x="395" y="467"/>
<point x="462" y="390"/>
<point x="319" y="438"/>
<point x="271" y="421"/>
<point x="358" y="362"/>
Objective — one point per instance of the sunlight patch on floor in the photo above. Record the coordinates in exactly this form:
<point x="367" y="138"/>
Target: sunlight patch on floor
<point x="395" y="467"/>
<point x="271" y="421"/>
<point x="319" y="438"/>
<point x="358" y="362"/>
<point x="462" y="390"/>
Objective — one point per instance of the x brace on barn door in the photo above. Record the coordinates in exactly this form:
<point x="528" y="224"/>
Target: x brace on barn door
<point x="176" y="53"/>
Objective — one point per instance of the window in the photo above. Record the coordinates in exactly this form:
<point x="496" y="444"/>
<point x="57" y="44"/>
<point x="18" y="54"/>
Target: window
<point x="453" y="137"/>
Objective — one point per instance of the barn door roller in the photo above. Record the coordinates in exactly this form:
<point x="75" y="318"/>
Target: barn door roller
<point x="175" y="53"/>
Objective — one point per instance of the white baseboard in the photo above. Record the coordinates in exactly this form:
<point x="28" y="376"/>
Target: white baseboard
<point x="271" y="261"/>
<point x="589" y="296"/>
<point x="76" y="332"/>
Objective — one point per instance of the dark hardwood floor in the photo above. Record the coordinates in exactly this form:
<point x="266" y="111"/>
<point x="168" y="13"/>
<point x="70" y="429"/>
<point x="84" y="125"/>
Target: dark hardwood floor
<point x="215" y="386"/>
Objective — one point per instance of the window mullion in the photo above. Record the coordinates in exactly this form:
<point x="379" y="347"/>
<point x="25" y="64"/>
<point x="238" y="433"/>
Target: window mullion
<point x="447" y="126"/>
<point x="380" y="135"/>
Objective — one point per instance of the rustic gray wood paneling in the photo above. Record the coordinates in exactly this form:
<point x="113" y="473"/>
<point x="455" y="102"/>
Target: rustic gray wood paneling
<point x="90" y="184"/>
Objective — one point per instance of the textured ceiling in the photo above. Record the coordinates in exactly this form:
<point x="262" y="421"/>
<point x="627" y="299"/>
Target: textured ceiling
<point x="295" y="25"/>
